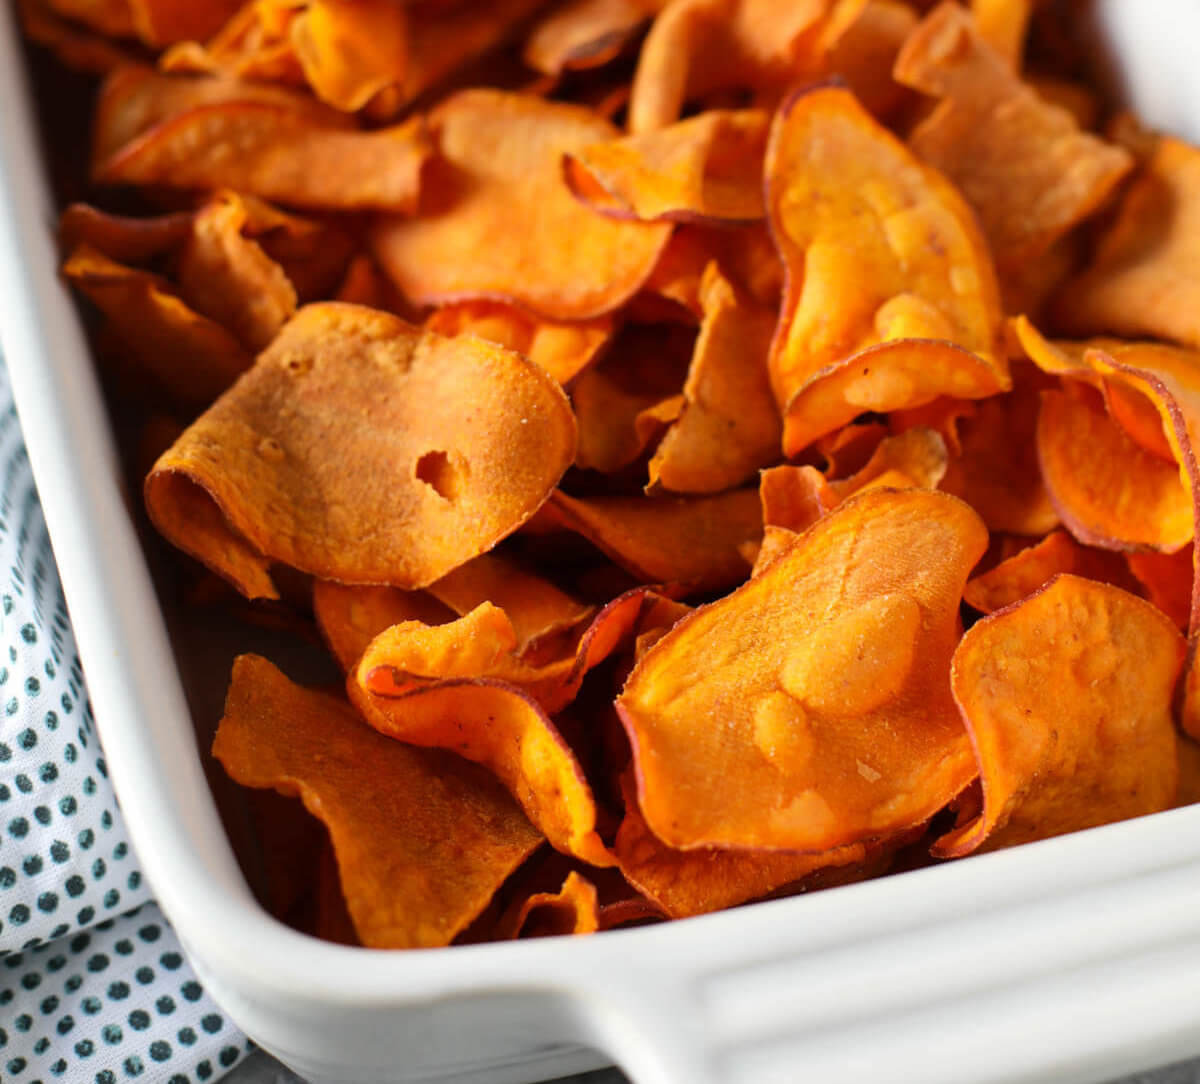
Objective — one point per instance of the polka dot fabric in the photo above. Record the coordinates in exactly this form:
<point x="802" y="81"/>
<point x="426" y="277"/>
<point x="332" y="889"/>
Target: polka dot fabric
<point x="93" y="985"/>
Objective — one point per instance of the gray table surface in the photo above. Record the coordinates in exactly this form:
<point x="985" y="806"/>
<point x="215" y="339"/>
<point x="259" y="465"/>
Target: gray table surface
<point x="260" y="1069"/>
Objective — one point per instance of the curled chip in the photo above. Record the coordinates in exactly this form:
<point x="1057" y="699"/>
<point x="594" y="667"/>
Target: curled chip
<point x="184" y="354"/>
<point x="453" y="835"/>
<point x="1168" y="581"/>
<point x="919" y="270"/>
<point x="706" y="168"/>
<point x="729" y="425"/>
<point x="563" y="348"/>
<point x="585" y="34"/>
<point x="1023" y="573"/>
<point x="689" y="543"/>
<point x="121" y="238"/>
<point x="572" y="909"/>
<point x="500" y="210"/>
<point x="1108" y="491"/>
<point x="829" y="674"/>
<point x="1068" y="700"/>
<point x="350" y="617"/>
<point x="1022" y="163"/>
<point x="272" y="151"/>
<point x="1144" y="279"/>
<point x="695" y="882"/>
<point x="341" y="454"/>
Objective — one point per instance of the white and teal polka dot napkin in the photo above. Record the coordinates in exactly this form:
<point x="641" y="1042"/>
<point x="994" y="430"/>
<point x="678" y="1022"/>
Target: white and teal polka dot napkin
<point x="93" y="984"/>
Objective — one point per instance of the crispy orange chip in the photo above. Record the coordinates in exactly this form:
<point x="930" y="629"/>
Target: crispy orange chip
<point x="502" y="210"/>
<point x="271" y="151"/>
<point x="1003" y="25"/>
<point x="585" y="34"/>
<point x="120" y="238"/>
<point x="1143" y="280"/>
<point x="691" y="544"/>
<point x="1067" y="696"/>
<point x="1108" y="491"/>
<point x="453" y="834"/>
<point x="563" y="348"/>
<point x="186" y="355"/>
<point x="729" y="424"/>
<point x="829" y="672"/>
<point x="160" y="22"/>
<point x="706" y="168"/>
<point x="572" y="909"/>
<point x="865" y="53"/>
<point x="1022" y="164"/>
<point x="920" y="271"/>
<point x="410" y="494"/>
<point x="1168" y="580"/>
<point x="350" y="617"/>
<point x="1018" y="576"/>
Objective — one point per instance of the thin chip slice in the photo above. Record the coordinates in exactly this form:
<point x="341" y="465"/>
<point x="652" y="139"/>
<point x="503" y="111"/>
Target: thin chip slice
<point x="865" y="53"/>
<point x="1022" y="574"/>
<point x="1145" y="275"/>
<point x="1108" y="491"/>
<point x="917" y="457"/>
<point x="502" y="210"/>
<point x="572" y="909"/>
<point x="1022" y="164"/>
<point x="341" y="454"/>
<point x="729" y="424"/>
<point x="272" y="151"/>
<point x="795" y="497"/>
<point x="876" y="247"/>
<point x="563" y="348"/>
<point x="689" y="543"/>
<point x="829" y="673"/>
<point x="183" y="354"/>
<point x="1003" y="24"/>
<point x="1067" y="696"/>
<point x="453" y="834"/>
<point x="585" y="34"/>
<point x="122" y="238"/>
<point x="707" y="168"/>
<point x="1168" y="580"/>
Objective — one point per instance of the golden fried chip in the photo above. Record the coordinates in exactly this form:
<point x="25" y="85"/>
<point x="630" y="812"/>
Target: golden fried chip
<point x="563" y="348"/>
<point x="585" y="33"/>
<point x="1018" y="576"/>
<point x="1108" y="491"/>
<point x="729" y="425"/>
<point x="185" y="355"/>
<point x="350" y="617"/>
<point x="864" y="55"/>
<point x="341" y="454"/>
<point x="877" y="247"/>
<point x="1003" y="25"/>
<point x="795" y="497"/>
<point x="707" y="168"/>
<point x="1022" y="164"/>
<point x="1143" y="280"/>
<point x="688" y="543"/>
<point x="1168" y="580"/>
<point x="502" y="212"/>
<point x="572" y="909"/>
<point x="121" y="238"/>
<point x="1067" y="696"/>
<point x="830" y="674"/>
<point x="917" y="457"/>
<point x="271" y="151"/>
<point x="453" y="834"/>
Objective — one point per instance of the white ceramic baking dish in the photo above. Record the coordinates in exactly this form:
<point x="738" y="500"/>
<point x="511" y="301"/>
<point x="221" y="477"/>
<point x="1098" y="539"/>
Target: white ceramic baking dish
<point x="1077" y="959"/>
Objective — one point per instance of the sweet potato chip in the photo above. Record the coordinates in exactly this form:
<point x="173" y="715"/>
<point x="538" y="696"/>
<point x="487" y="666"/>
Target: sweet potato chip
<point x="534" y="605"/>
<point x="136" y="99"/>
<point x="572" y="909"/>
<point x="706" y="168"/>
<point x="503" y="210"/>
<point x="349" y="50"/>
<point x="74" y="46"/>
<point x="229" y="278"/>
<point x="493" y="724"/>
<point x="409" y="496"/>
<point x="897" y="375"/>
<point x="1067" y="696"/>
<point x="271" y="151"/>
<point x="1108" y="491"/>
<point x="695" y="882"/>
<point x="696" y="47"/>
<point x="184" y="354"/>
<point x="729" y="424"/>
<point x="563" y="348"/>
<point x="585" y="33"/>
<point x="1143" y="280"/>
<point x="917" y="457"/>
<point x="1023" y="164"/>
<point x="829" y="673"/>
<point x="795" y="497"/>
<point x="864" y="55"/>
<point x="121" y="238"/>
<point x="160" y="22"/>
<point x="919" y="270"/>
<point x="453" y="834"/>
<point x="1003" y="25"/>
<point x="350" y="617"/>
<point x="1020" y="575"/>
<point x="1168" y="581"/>
<point x="689" y="543"/>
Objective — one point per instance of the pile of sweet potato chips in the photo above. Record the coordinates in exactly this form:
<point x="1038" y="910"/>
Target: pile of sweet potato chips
<point x="729" y="447"/>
